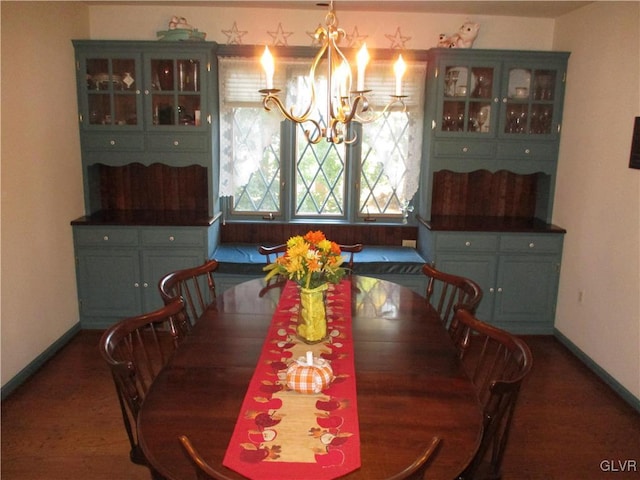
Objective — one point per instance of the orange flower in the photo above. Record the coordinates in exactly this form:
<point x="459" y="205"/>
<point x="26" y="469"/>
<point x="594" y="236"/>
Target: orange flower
<point x="314" y="238"/>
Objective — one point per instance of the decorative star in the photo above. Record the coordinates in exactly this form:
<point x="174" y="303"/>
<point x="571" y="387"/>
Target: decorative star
<point x="355" y="39"/>
<point x="280" y="36"/>
<point x="312" y="34"/>
<point x="397" y="40"/>
<point x="234" y="36"/>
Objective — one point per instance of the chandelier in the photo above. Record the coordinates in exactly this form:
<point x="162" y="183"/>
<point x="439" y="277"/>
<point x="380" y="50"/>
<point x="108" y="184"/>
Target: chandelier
<point x="343" y="103"/>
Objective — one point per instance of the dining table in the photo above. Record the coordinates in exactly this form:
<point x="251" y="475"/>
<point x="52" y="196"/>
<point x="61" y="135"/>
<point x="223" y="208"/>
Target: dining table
<point x="410" y="385"/>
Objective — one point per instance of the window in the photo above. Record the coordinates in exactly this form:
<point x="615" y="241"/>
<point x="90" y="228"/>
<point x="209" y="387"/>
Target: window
<point x="271" y="171"/>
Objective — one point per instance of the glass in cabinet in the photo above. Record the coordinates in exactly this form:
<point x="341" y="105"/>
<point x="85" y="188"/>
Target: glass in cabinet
<point x="175" y="95"/>
<point x="111" y="91"/>
<point x="529" y="101"/>
<point x="467" y="92"/>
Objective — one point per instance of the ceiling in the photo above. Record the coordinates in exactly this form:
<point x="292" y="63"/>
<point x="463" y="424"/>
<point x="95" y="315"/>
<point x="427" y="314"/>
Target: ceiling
<point x="542" y="9"/>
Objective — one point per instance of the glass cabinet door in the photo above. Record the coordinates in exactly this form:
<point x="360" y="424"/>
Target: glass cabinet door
<point x="529" y="102"/>
<point x="112" y="92"/>
<point x="468" y="99"/>
<point x="176" y="91"/>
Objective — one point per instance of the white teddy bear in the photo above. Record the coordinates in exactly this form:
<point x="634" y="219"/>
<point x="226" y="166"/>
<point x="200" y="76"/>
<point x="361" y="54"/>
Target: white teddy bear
<point x="464" y="38"/>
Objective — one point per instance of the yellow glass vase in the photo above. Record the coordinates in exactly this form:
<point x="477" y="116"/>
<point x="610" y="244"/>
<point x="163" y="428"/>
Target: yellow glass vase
<point x="312" y="319"/>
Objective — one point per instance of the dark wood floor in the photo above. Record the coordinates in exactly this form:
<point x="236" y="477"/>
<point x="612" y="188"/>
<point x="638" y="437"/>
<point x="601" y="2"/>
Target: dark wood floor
<point x="64" y="422"/>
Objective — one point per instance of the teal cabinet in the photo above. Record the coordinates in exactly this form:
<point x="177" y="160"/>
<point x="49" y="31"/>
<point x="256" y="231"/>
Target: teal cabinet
<point x="518" y="274"/>
<point x="118" y="268"/>
<point x="145" y="103"/>
<point x="492" y="110"/>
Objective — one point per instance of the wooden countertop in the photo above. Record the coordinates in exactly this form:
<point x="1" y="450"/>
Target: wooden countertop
<point x="489" y="224"/>
<point x="148" y="218"/>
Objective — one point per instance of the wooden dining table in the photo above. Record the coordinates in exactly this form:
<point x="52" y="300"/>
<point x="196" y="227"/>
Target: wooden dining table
<point x="410" y="383"/>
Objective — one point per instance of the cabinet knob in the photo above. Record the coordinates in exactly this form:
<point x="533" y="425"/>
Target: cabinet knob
<point x="106" y="238"/>
<point x="491" y="290"/>
<point x="499" y="289"/>
<point x="146" y="92"/>
<point x="465" y="149"/>
<point x="504" y="100"/>
<point x="145" y="284"/>
<point x="496" y="99"/>
<point x="527" y="151"/>
<point x="176" y="143"/>
<point x="532" y="245"/>
<point x="112" y="142"/>
<point x="172" y="238"/>
<point x="433" y="124"/>
<point x="136" y="284"/>
<point x="467" y="243"/>
<point x="138" y="92"/>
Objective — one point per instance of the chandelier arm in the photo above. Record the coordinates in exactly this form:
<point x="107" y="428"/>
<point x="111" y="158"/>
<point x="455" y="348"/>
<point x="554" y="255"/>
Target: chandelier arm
<point x="270" y="99"/>
<point x="395" y="100"/>
<point x="319" y="134"/>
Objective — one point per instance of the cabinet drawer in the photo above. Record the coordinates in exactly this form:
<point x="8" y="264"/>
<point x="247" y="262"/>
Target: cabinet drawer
<point x="113" y="141"/>
<point x="167" y="237"/>
<point x="171" y="142"/>
<point x="466" y="148"/>
<point x="531" y="243"/>
<point x="106" y="236"/>
<point x="524" y="150"/>
<point x="466" y="242"/>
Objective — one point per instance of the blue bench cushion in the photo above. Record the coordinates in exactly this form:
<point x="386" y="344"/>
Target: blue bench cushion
<point x="244" y="259"/>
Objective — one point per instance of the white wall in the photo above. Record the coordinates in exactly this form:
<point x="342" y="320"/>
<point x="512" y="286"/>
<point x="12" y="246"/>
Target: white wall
<point x="421" y="29"/>
<point x="597" y="195"/>
<point x="41" y="177"/>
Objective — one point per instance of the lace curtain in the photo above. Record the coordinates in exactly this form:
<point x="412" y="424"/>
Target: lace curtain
<point x="240" y="79"/>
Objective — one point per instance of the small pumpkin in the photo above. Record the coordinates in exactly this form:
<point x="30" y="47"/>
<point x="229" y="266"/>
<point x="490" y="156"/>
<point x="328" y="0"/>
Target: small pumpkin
<point x="309" y="375"/>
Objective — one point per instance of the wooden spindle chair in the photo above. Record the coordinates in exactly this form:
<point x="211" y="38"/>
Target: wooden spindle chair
<point x="203" y="470"/>
<point x="136" y="349"/>
<point x="445" y="291"/>
<point x="497" y="362"/>
<point x="195" y="285"/>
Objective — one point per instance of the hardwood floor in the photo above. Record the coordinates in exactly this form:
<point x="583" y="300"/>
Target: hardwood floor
<point x="64" y="422"/>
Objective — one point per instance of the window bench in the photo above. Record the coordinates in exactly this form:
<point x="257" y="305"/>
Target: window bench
<point x="240" y="262"/>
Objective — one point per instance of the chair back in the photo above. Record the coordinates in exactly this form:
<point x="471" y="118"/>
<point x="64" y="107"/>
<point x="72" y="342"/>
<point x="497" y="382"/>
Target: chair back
<point x="497" y="362"/>
<point x="271" y="253"/>
<point x="416" y="470"/>
<point x="445" y="291"/>
<point x="203" y="470"/>
<point x="136" y="349"/>
<point x="195" y="285"/>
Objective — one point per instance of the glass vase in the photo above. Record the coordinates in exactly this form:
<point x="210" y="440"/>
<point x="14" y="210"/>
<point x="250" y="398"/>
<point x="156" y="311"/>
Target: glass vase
<point x="312" y="318"/>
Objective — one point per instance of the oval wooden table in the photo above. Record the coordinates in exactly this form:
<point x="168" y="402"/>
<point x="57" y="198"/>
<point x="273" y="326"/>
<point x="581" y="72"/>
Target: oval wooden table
<point x="410" y="385"/>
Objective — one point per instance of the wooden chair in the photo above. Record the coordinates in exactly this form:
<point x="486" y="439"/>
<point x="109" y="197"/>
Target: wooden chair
<point x="135" y="350"/>
<point x="445" y="291"/>
<point x="418" y="467"/>
<point x="278" y="250"/>
<point x="203" y="470"/>
<point x="497" y="363"/>
<point x="195" y="285"/>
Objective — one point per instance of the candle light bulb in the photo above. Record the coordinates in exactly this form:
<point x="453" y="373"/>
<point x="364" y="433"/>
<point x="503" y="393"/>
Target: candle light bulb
<point x="399" y="68"/>
<point x="268" y="65"/>
<point x="362" y="59"/>
<point x="342" y="78"/>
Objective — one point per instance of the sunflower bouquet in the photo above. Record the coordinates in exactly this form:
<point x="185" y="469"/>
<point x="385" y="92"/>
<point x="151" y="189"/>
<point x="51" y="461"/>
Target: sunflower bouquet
<point x="310" y="261"/>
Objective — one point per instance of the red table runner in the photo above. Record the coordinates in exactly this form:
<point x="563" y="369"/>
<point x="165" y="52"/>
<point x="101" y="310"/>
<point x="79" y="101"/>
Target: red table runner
<point x="284" y="435"/>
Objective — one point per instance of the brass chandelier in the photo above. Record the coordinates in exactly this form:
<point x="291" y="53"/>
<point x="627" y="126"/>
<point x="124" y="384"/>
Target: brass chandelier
<point x="343" y="103"/>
